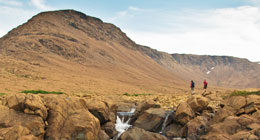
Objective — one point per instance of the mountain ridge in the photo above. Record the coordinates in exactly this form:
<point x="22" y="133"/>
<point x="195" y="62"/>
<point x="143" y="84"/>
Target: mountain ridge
<point x="69" y="46"/>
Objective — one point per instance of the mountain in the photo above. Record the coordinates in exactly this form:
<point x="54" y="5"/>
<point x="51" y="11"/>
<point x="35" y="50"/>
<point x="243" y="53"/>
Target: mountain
<point x="69" y="51"/>
<point x="223" y="71"/>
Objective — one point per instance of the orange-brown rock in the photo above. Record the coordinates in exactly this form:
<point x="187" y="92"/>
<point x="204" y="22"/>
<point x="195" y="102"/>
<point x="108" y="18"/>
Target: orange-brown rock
<point x="109" y="128"/>
<point x="104" y="110"/>
<point x="198" y="103"/>
<point x="173" y="130"/>
<point x="140" y="134"/>
<point x="196" y="126"/>
<point x="183" y="113"/>
<point x="151" y="119"/>
<point x="29" y="104"/>
<point x="15" y="125"/>
<point x="69" y="118"/>
<point x="144" y="106"/>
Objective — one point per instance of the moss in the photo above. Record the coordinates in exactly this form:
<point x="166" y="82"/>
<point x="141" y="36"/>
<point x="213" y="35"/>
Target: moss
<point x="244" y="93"/>
<point x="135" y="94"/>
<point x="40" y="92"/>
<point x="2" y="94"/>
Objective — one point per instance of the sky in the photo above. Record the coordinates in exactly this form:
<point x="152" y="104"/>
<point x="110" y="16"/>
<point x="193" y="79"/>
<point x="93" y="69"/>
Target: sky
<point x="203" y="27"/>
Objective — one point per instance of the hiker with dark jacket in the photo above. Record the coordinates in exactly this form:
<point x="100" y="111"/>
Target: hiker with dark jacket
<point x="192" y="86"/>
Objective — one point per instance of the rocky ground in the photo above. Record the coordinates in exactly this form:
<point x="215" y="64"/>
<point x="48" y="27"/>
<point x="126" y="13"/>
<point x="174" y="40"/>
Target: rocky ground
<point x="92" y="117"/>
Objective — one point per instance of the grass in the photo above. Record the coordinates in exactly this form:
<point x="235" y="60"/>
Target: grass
<point x="2" y="94"/>
<point x="135" y="94"/>
<point x="244" y="93"/>
<point x="40" y="92"/>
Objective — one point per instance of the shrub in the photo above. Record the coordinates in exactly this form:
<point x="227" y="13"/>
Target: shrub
<point x="40" y="92"/>
<point x="244" y="93"/>
<point x="2" y="94"/>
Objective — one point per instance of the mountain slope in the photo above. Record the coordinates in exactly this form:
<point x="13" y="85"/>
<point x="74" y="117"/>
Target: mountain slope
<point x="69" y="51"/>
<point x="224" y="71"/>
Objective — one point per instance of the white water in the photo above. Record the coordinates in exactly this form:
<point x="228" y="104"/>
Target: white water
<point x="122" y="125"/>
<point x="209" y="72"/>
<point x="165" y="121"/>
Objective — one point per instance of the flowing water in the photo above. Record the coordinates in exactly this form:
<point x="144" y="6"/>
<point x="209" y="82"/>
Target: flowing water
<point x="168" y="113"/>
<point x="122" y="122"/>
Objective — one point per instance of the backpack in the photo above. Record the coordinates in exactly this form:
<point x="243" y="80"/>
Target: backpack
<point x="192" y="84"/>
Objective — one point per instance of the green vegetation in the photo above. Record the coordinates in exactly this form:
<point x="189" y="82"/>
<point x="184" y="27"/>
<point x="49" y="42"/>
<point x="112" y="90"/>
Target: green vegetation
<point x="2" y="94"/>
<point x="40" y="92"/>
<point x="135" y="94"/>
<point x="244" y="93"/>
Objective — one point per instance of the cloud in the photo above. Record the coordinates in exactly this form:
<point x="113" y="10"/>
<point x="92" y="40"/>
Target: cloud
<point x="127" y="14"/>
<point x="41" y="5"/>
<point x="11" y="2"/>
<point x="13" y="17"/>
<point x="227" y="31"/>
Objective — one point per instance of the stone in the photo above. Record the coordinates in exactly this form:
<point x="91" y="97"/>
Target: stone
<point x="144" y="106"/>
<point x="196" y="126"/>
<point x="151" y="119"/>
<point x="15" y="125"/>
<point x="221" y="114"/>
<point x="109" y="128"/>
<point x="140" y="134"/>
<point x="103" y="136"/>
<point x="100" y="110"/>
<point x="249" y="108"/>
<point x="173" y="130"/>
<point x="256" y="115"/>
<point x="246" y="120"/>
<point x="69" y="118"/>
<point x="183" y="113"/>
<point x="241" y="135"/>
<point x="29" y="104"/>
<point x="236" y="102"/>
<point x="198" y="103"/>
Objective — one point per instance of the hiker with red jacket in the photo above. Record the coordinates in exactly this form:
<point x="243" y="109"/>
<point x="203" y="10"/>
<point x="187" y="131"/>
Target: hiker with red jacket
<point x="205" y="83"/>
<point x="192" y="86"/>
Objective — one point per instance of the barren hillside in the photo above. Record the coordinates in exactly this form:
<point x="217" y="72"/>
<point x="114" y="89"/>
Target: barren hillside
<point x="71" y="52"/>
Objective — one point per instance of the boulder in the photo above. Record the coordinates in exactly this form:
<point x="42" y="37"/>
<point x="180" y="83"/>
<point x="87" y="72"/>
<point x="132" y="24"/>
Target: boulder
<point x="253" y="99"/>
<point x="221" y="114"/>
<point x="140" y="134"/>
<point x="215" y="136"/>
<point x="103" y="136"/>
<point x="198" y="103"/>
<point x="15" y="125"/>
<point x="244" y="135"/>
<point x="151" y="119"/>
<point x="246" y="120"/>
<point x="236" y="102"/>
<point x="196" y="127"/>
<point x="183" y="113"/>
<point x="29" y="104"/>
<point x="104" y="111"/>
<point x="109" y="128"/>
<point x="69" y="118"/>
<point x="256" y="115"/>
<point x="144" y="106"/>
<point x="173" y="130"/>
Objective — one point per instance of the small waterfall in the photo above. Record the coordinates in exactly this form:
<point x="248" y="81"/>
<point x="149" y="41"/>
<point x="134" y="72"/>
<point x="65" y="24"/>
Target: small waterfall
<point x="122" y="125"/>
<point x="168" y="113"/>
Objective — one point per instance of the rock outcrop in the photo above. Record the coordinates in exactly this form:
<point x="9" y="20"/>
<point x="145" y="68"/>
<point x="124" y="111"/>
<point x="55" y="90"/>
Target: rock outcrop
<point x="140" y="134"/>
<point x="151" y="120"/>
<point x="55" y="117"/>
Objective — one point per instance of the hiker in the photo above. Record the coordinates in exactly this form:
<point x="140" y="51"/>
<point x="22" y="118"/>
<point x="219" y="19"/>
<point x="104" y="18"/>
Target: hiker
<point x="192" y="85"/>
<point x="205" y="83"/>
